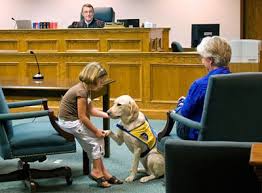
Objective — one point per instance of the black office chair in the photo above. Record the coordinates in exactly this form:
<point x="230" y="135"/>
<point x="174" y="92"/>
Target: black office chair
<point x="176" y="47"/>
<point x="105" y="14"/>
<point x="209" y="166"/>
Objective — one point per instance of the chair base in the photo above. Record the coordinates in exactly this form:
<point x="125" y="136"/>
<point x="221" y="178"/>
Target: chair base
<point x="28" y="175"/>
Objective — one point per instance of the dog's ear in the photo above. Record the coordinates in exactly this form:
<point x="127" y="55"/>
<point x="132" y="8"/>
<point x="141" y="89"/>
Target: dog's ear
<point x="134" y="110"/>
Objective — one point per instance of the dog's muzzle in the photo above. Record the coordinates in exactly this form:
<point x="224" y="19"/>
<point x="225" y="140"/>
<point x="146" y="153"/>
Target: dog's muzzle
<point x="111" y="115"/>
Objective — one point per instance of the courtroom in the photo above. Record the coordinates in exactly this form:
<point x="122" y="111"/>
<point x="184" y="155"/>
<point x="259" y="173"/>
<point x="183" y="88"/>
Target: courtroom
<point x="131" y="96"/>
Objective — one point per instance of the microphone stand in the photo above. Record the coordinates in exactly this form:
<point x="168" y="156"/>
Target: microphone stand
<point x="15" y="22"/>
<point x="37" y="76"/>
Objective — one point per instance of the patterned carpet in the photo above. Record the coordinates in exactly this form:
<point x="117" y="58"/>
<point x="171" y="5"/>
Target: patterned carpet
<point x="118" y="164"/>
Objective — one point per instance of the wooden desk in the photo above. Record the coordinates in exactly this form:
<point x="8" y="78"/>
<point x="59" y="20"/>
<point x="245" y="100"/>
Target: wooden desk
<point x="256" y="160"/>
<point x="45" y="89"/>
<point x="86" y="40"/>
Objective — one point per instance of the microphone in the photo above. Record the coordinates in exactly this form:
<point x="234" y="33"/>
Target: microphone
<point x="15" y="22"/>
<point x="37" y="76"/>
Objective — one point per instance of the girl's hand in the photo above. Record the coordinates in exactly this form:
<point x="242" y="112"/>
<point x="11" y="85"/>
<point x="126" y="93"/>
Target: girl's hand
<point x="107" y="116"/>
<point x="100" y="133"/>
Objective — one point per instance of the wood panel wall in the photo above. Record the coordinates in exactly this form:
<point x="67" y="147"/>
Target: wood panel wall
<point x="154" y="80"/>
<point x="251" y="19"/>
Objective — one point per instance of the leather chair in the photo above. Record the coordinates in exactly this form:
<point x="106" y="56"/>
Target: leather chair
<point x="231" y="113"/>
<point x="105" y="14"/>
<point x="32" y="141"/>
<point x="209" y="166"/>
<point x="176" y="47"/>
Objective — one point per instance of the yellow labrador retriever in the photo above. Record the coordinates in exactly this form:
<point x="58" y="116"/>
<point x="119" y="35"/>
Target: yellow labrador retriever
<point x="135" y="132"/>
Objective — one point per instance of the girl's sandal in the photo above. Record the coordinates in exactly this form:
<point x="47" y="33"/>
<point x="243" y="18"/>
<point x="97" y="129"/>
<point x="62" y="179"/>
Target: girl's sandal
<point x="101" y="181"/>
<point x="114" y="180"/>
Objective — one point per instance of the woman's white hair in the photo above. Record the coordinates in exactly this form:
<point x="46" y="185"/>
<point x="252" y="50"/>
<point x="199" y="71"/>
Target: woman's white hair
<point x="216" y="48"/>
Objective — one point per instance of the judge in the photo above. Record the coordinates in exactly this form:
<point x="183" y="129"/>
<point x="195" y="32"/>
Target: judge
<point x="88" y="20"/>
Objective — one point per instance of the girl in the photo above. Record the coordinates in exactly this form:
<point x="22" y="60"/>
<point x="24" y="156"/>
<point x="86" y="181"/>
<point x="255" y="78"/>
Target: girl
<point x="73" y="117"/>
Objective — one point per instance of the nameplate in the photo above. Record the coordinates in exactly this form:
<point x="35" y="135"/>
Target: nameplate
<point x="114" y="25"/>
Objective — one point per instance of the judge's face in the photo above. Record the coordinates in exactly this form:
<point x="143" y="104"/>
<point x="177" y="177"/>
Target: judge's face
<point x="88" y="13"/>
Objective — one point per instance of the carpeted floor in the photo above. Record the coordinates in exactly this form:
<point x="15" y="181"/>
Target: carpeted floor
<point x="118" y="164"/>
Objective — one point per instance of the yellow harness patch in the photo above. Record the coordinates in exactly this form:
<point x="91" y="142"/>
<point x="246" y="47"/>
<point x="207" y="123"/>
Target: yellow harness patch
<point x="143" y="133"/>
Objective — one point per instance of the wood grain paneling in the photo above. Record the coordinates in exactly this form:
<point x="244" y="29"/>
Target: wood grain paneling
<point x="128" y="79"/>
<point x="118" y="45"/>
<point x="42" y="45"/>
<point x="258" y="11"/>
<point x="72" y="71"/>
<point x="10" y="45"/>
<point x="90" y="45"/>
<point x="244" y="67"/>
<point x="9" y="71"/>
<point x="154" y="80"/>
<point x="79" y="40"/>
<point x="252" y="19"/>
<point x="170" y="81"/>
<point x="48" y="69"/>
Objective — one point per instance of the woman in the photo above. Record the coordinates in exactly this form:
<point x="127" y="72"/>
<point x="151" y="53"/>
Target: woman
<point x="215" y="55"/>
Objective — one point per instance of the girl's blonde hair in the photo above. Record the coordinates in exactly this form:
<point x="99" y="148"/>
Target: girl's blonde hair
<point x="91" y="73"/>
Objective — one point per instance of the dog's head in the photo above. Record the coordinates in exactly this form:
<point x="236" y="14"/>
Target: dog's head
<point x="125" y="108"/>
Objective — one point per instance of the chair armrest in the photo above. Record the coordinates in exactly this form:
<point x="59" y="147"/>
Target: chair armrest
<point x="23" y="115"/>
<point x="187" y="122"/>
<point x="27" y="103"/>
<point x="168" y="127"/>
<point x="32" y="114"/>
<point x="66" y="135"/>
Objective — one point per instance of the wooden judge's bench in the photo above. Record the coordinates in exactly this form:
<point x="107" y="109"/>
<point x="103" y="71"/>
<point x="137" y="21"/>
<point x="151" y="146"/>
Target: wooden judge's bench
<point x="138" y="59"/>
<point x="86" y="40"/>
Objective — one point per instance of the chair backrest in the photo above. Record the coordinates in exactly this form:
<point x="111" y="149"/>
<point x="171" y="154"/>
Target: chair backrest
<point x="232" y="108"/>
<point x="176" y="47"/>
<point x="4" y="109"/>
<point x="209" y="167"/>
<point x="105" y="14"/>
<point x="6" y="129"/>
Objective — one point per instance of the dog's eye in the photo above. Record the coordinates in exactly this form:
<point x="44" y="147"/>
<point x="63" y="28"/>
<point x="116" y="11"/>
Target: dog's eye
<point x="118" y="104"/>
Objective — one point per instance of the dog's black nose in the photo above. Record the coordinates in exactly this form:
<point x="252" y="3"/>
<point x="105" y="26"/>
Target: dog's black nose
<point x="108" y="112"/>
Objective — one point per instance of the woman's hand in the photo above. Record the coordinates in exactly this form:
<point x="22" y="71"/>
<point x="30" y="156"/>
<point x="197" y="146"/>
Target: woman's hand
<point x="181" y="98"/>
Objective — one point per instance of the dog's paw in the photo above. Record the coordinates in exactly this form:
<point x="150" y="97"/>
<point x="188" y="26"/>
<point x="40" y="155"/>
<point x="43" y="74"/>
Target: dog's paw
<point x="130" y="179"/>
<point x="144" y="179"/>
<point x="108" y="132"/>
<point x="147" y="178"/>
